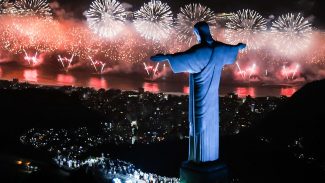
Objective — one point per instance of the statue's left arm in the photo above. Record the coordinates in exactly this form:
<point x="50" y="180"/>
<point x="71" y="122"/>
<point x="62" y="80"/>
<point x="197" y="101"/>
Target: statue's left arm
<point x="192" y="60"/>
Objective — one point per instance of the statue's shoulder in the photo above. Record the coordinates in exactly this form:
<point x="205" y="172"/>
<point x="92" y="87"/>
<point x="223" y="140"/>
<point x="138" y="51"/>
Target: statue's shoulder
<point x="197" y="47"/>
<point x="204" y="47"/>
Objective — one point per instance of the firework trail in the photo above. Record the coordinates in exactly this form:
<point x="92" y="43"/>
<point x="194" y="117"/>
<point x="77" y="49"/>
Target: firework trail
<point x="93" y="63"/>
<point x="154" y="20"/>
<point x="250" y="71"/>
<point x="106" y="17"/>
<point x="99" y="66"/>
<point x="290" y="72"/>
<point x="65" y="62"/>
<point x="39" y="8"/>
<point x="188" y="17"/>
<point x="292" y="34"/>
<point x="295" y="71"/>
<point x="285" y="71"/>
<point x="246" y="26"/>
<point x="241" y="72"/>
<point x="32" y="60"/>
<point x="146" y="68"/>
<point x="153" y="71"/>
<point x="156" y="69"/>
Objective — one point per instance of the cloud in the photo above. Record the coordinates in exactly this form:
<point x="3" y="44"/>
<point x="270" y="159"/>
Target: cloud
<point x="59" y="12"/>
<point x="127" y="6"/>
<point x="306" y="4"/>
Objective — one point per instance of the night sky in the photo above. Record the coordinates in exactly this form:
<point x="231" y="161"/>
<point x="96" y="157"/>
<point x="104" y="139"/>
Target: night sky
<point x="312" y="9"/>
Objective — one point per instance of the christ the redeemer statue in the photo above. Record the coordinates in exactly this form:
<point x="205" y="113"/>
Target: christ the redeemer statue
<point x="204" y="62"/>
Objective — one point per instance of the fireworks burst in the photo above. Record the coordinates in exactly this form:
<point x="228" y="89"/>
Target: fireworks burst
<point x="153" y="71"/>
<point x="154" y="20"/>
<point x="246" y="26"/>
<point x="188" y="17"/>
<point x="106" y="17"/>
<point x="39" y="8"/>
<point x="32" y="37"/>
<point x="250" y="71"/>
<point x="78" y="41"/>
<point x="292" y="34"/>
<point x="290" y="71"/>
<point x="99" y="66"/>
<point x="6" y="7"/>
<point x="29" y="33"/>
<point x="135" y="50"/>
<point x="65" y="62"/>
<point x="32" y="60"/>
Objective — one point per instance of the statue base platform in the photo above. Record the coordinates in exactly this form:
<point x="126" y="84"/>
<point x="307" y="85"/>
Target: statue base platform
<point x="206" y="172"/>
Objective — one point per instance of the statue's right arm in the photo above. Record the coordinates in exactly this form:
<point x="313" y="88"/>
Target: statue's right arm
<point x="241" y="46"/>
<point x="167" y="57"/>
<point x="159" y="58"/>
<point x="187" y="61"/>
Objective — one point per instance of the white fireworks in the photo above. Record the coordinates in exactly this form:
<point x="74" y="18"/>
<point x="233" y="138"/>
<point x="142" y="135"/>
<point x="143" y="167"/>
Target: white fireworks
<point x="246" y="26"/>
<point x="106" y="17"/>
<point x="33" y="8"/>
<point x="291" y="34"/>
<point x="188" y="17"/>
<point x="154" y="20"/>
<point x="6" y="7"/>
<point x="99" y="66"/>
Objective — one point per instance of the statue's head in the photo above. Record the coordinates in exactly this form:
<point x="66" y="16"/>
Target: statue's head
<point x="202" y="32"/>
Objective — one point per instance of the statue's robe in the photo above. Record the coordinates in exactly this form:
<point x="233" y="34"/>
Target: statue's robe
<point x="204" y="62"/>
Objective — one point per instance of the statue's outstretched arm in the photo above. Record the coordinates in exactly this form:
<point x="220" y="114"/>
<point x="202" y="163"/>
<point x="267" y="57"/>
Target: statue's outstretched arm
<point x="159" y="58"/>
<point x="167" y="57"/>
<point x="192" y="60"/>
<point x="231" y="52"/>
<point x="241" y="46"/>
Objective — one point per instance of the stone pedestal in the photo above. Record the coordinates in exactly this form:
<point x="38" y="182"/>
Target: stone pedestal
<point x="207" y="172"/>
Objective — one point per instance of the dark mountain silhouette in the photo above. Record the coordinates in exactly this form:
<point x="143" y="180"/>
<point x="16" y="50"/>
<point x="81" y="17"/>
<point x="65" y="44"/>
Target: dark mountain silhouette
<point x="286" y="146"/>
<point x="41" y="108"/>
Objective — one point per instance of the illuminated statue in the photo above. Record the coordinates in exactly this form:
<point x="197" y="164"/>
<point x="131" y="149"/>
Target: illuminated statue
<point x="204" y="62"/>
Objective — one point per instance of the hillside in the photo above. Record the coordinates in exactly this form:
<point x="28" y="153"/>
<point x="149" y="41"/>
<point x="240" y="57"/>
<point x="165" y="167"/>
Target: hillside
<point x="286" y="146"/>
